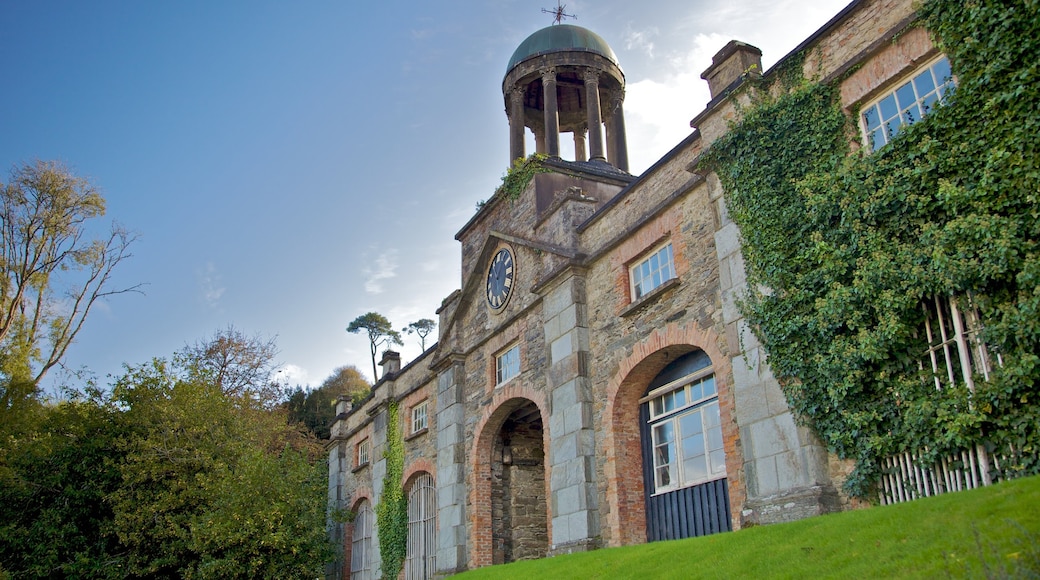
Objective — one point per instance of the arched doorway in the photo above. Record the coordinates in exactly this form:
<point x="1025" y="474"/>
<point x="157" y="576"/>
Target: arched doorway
<point x="421" y="547"/>
<point x="361" y="541"/>
<point x="518" y="502"/>
<point x="684" y="463"/>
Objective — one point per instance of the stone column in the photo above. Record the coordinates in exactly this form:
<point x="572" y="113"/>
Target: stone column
<point x="784" y="463"/>
<point x="618" y="142"/>
<point x="451" y="481"/>
<point x="516" y="124"/>
<point x="579" y="144"/>
<point x="595" y="119"/>
<point x="539" y="142"/>
<point x="552" y="113"/>
<point x="575" y="513"/>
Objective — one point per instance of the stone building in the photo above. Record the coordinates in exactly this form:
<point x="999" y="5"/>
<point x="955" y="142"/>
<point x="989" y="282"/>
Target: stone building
<point x="594" y="383"/>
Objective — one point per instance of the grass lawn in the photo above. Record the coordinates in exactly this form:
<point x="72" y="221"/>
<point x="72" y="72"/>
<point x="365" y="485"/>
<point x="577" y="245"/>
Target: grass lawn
<point x="992" y="532"/>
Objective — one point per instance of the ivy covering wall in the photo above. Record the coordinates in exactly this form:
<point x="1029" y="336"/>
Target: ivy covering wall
<point x="842" y="247"/>
<point x="392" y="510"/>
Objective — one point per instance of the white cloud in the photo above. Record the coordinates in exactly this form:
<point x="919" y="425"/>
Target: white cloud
<point x="658" y="109"/>
<point x="291" y="375"/>
<point x="384" y="268"/>
<point x="210" y="285"/>
<point x="641" y="40"/>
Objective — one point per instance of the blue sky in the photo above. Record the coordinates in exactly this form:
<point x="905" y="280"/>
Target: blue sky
<point x="291" y="166"/>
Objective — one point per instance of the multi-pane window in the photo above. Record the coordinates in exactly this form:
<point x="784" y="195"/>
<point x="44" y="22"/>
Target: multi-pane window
<point x="361" y="544"/>
<point x="419" y="417"/>
<point x="507" y="365"/>
<point x="955" y="351"/>
<point x="653" y="271"/>
<point x="686" y="431"/>
<point x="907" y="104"/>
<point x="362" y="452"/>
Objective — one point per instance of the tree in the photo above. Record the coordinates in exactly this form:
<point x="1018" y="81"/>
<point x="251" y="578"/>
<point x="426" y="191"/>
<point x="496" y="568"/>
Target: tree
<point x="423" y="327"/>
<point x="380" y="332"/>
<point x="240" y="366"/>
<point x="316" y="409"/>
<point x="51" y="270"/>
<point x="214" y="485"/>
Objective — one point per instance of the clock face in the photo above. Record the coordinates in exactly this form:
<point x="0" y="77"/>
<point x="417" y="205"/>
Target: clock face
<point x="500" y="279"/>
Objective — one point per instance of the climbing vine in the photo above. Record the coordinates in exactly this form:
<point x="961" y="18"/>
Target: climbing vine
<point x="515" y="181"/>
<point x="392" y="510"/>
<point x="842" y="248"/>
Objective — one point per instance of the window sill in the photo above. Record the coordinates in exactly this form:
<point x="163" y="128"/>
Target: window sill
<point x="360" y="467"/>
<point x="686" y="485"/>
<point x="649" y="298"/>
<point x="417" y="434"/>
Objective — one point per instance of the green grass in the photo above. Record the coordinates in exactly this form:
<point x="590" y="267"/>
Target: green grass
<point x="985" y="533"/>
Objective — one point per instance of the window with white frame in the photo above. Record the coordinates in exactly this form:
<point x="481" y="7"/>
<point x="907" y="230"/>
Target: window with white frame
<point x="908" y="103"/>
<point x="507" y="364"/>
<point x="419" y="417"/>
<point x="361" y="543"/>
<point x="686" y="432"/>
<point x="654" y="270"/>
<point x="956" y="352"/>
<point x="362" y="452"/>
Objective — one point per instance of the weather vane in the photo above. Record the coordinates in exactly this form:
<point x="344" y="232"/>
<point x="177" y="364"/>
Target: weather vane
<point x="558" y="12"/>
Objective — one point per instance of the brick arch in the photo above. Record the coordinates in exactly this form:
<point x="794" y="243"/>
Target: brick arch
<point x="361" y="494"/>
<point x="415" y="468"/>
<point x="508" y="399"/>
<point x="624" y="463"/>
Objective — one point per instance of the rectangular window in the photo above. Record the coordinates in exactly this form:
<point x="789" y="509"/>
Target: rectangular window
<point x="908" y="103"/>
<point x="955" y="352"/>
<point x="650" y="273"/>
<point x="507" y="365"/>
<point x="362" y="452"/>
<point x="419" y="417"/>
<point x="686" y="429"/>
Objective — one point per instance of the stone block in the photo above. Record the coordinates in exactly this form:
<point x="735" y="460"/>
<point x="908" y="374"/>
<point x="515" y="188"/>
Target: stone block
<point x="774" y="435"/>
<point x="749" y="396"/>
<point x="561" y="348"/>
<point x="766" y="479"/>
<point x="730" y="310"/>
<point x="727" y="240"/>
<point x="449" y="434"/>
<point x="577" y="417"/>
<point x="790" y="470"/>
<point x="566" y="395"/>
<point x="564" y="448"/>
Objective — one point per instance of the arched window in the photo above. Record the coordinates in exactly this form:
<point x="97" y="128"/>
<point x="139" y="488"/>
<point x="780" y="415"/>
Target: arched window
<point x="420" y="559"/>
<point x="684" y="462"/>
<point x="361" y="544"/>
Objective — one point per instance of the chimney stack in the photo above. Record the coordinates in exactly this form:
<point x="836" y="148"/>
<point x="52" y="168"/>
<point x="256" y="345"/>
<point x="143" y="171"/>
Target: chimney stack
<point x="729" y="66"/>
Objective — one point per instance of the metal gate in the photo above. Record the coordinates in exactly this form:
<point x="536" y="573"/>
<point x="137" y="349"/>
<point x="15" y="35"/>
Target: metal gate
<point x="420" y="560"/>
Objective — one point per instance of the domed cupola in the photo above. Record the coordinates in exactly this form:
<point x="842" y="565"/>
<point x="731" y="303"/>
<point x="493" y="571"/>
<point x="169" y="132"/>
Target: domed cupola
<point x="566" y="79"/>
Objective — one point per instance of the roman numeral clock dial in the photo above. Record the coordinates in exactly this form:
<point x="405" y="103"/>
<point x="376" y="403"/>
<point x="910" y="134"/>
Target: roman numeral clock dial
<point x="500" y="279"/>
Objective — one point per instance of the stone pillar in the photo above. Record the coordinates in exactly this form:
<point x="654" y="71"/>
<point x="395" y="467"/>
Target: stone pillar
<point x="785" y="466"/>
<point x="451" y="481"/>
<point x="337" y="470"/>
<point x="575" y="514"/>
<point x="539" y="142"/>
<point x="379" y="430"/>
<point x="595" y="119"/>
<point x="552" y="113"/>
<point x="579" y="144"/>
<point x="516" y="124"/>
<point x="616" y="139"/>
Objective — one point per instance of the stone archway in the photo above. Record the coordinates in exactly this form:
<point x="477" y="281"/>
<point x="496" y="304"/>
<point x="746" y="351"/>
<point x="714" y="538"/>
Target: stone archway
<point x="518" y="507"/>
<point x="510" y="514"/>
<point x="624" y="466"/>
